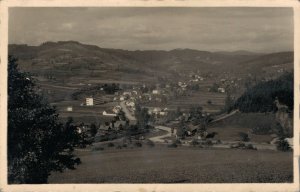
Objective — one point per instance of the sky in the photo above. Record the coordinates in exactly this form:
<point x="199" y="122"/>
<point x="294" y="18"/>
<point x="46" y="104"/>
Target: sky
<point x="209" y="29"/>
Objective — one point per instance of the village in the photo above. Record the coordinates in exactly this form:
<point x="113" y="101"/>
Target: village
<point x="187" y="124"/>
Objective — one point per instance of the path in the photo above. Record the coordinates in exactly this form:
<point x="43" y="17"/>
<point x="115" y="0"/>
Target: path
<point x="56" y="86"/>
<point x="221" y="117"/>
<point x="160" y="138"/>
<point x="128" y="114"/>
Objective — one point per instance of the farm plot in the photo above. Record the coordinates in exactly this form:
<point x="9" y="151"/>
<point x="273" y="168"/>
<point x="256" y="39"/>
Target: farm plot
<point x="86" y="114"/>
<point x="202" y="99"/>
<point x="229" y="128"/>
<point x="181" y="165"/>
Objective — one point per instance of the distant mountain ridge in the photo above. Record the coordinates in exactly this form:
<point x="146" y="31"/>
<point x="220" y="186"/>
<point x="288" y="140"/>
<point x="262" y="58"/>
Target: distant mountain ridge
<point x="81" y="58"/>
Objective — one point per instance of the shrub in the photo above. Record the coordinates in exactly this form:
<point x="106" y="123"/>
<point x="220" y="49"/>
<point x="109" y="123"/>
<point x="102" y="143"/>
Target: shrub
<point x="110" y="145"/>
<point x="283" y="145"/>
<point x="208" y="143"/>
<point x="250" y="146"/>
<point x="173" y="145"/>
<point x="98" y="148"/>
<point x="124" y="145"/>
<point x="177" y="141"/>
<point x="150" y="143"/>
<point x="138" y="144"/>
<point x="244" y="136"/>
<point x="194" y="142"/>
<point x="261" y="130"/>
<point x="119" y="147"/>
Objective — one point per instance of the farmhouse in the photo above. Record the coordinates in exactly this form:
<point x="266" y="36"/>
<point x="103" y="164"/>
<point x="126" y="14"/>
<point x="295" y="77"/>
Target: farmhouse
<point x="89" y="101"/>
<point x="119" y="125"/>
<point x="130" y="103"/>
<point x="117" y="109"/>
<point x="155" y="92"/>
<point x="221" y="90"/>
<point x="108" y="114"/>
<point x="69" y="108"/>
<point x="127" y="93"/>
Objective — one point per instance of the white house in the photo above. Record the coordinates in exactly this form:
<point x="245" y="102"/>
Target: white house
<point x="162" y="113"/>
<point x="156" y="110"/>
<point x="155" y="92"/>
<point x="221" y="90"/>
<point x="69" y="108"/>
<point x="127" y="93"/>
<point x="109" y="114"/>
<point x="130" y="104"/>
<point x="122" y="98"/>
<point x="89" y="101"/>
<point x="117" y="109"/>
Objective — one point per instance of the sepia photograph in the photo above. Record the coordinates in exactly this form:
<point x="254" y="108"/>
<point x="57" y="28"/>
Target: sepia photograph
<point x="150" y="95"/>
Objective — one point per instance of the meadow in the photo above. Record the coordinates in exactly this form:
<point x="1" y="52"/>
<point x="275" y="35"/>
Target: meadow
<point x="160" y="164"/>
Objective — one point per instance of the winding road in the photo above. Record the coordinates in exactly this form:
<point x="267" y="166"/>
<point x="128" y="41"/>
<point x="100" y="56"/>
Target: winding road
<point x="128" y="114"/>
<point x="160" y="138"/>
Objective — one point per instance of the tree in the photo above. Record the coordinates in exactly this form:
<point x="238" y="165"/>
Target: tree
<point x="37" y="142"/>
<point x="181" y="130"/>
<point x="142" y="117"/>
<point x="229" y="102"/>
<point x="261" y="97"/>
<point x="94" y="129"/>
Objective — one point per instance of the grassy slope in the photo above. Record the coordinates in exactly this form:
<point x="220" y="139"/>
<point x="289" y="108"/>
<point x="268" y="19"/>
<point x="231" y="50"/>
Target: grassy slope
<point x="165" y="165"/>
<point x="229" y="129"/>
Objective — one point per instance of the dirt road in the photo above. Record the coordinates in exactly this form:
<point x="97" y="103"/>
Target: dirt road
<point x="160" y="138"/>
<point x="128" y="114"/>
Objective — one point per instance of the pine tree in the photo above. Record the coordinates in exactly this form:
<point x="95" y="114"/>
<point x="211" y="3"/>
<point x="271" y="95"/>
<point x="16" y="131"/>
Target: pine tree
<point x="37" y="143"/>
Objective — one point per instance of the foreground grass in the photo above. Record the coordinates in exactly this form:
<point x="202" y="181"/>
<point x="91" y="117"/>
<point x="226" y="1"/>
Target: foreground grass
<point x="180" y="165"/>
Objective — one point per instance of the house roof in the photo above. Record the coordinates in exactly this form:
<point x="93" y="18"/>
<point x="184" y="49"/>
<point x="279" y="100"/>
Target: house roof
<point x="118" y="123"/>
<point x="104" y="127"/>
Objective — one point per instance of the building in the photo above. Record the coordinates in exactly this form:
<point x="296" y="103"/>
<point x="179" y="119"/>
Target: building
<point x="130" y="103"/>
<point x="69" y="108"/>
<point x="221" y="90"/>
<point x="117" y="109"/>
<point x="89" y="101"/>
<point x="109" y="114"/>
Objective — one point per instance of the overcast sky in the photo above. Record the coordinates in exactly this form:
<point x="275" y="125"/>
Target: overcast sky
<point x="211" y="29"/>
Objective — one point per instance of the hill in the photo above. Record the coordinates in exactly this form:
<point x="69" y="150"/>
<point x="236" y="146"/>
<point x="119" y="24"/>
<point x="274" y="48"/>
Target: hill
<point x="261" y="97"/>
<point x="63" y="60"/>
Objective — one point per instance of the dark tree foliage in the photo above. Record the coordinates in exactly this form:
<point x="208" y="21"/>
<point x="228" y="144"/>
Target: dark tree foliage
<point x="37" y="142"/>
<point x="142" y="117"/>
<point x="261" y="97"/>
<point x="94" y="129"/>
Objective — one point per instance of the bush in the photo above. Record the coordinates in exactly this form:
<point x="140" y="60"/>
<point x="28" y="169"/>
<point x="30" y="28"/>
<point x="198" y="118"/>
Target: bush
<point x="119" y="147"/>
<point x="124" y="145"/>
<point x="150" y="143"/>
<point x="138" y="144"/>
<point x="194" y="142"/>
<point x="173" y="145"/>
<point x="262" y="130"/>
<point x="110" y="145"/>
<point x="208" y="143"/>
<point x="283" y="145"/>
<point x="98" y="148"/>
<point x="250" y="146"/>
<point x="177" y="141"/>
<point x="244" y="137"/>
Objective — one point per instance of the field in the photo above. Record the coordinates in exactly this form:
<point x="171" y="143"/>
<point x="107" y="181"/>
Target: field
<point x="179" y="165"/>
<point x="200" y="98"/>
<point x="86" y="114"/>
<point x="229" y="128"/>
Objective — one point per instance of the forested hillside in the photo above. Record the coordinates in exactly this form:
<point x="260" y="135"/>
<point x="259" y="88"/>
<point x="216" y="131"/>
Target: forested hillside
<point x="261" y="97"/>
